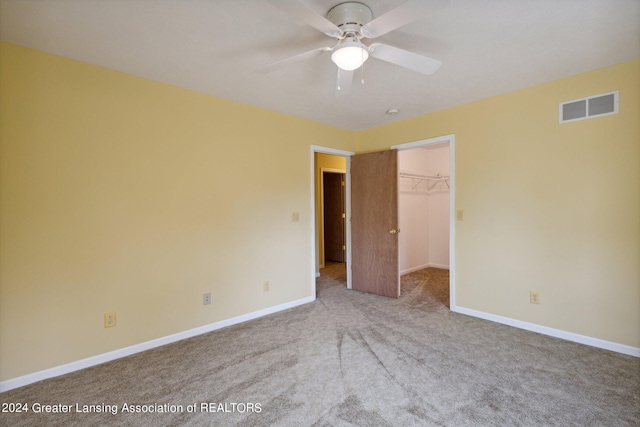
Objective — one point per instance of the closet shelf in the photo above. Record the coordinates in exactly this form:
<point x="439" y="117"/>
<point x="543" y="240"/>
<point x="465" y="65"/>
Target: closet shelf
<point x="432" y="180"/>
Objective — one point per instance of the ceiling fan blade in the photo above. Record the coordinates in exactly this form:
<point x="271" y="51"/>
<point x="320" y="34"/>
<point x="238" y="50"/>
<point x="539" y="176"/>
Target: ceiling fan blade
<point x="293" y="59"/>
<point x="306" y="15"/>
<point x="404" y="58"/>
<point x="344" y="81"/>
<point x="402" y="15"/>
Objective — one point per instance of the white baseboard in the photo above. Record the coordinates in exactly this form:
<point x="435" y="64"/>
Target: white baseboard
<point x="569" y="336"/>
<point x="420" y="267"/>
<point x="441" y="266"/>
<point x="412" y="269"/>
<point x="137" y="348"/>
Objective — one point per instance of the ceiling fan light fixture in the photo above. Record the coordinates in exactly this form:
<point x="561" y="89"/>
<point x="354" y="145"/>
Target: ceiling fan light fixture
<point x="350" y="55"/>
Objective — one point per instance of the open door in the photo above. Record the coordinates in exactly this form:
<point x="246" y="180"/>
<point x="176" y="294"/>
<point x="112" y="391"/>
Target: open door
<point x="334" y="216"/>
<point x="374" y="223"/>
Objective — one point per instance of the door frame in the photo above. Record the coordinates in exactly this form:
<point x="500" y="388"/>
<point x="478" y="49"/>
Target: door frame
<point x="452" y="191"/>
<point x="451" y="138"/>
<point x="321" y="258"/>
<point x="314" y="256"/>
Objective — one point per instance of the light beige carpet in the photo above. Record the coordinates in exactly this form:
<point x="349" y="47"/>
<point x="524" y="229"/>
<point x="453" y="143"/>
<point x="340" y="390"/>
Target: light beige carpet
<point x="353" y="359"/>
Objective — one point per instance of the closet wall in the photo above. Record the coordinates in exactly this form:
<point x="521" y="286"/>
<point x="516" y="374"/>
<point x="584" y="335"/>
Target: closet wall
<point x="423" y="208"/>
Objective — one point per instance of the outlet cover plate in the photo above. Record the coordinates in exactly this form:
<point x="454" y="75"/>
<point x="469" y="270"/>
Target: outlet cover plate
<point x="110" y="319"/>
<point x="534" y="297"/>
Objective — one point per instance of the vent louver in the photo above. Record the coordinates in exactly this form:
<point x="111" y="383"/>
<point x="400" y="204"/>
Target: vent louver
<point x="586" y="108"/>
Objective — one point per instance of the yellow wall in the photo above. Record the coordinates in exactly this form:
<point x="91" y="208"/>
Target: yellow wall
<point x="323" y="161"/>
<point x="549" y="207"/>
<point x="120" y="193"/>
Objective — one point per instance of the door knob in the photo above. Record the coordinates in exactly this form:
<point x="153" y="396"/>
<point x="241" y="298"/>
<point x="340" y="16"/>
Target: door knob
<point x="394" y="231"/>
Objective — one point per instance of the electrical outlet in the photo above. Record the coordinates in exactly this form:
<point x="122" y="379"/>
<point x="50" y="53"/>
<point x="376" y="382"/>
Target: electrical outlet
<point x="534" y="297"/>
<point x="206" y="298"/>
<point x="110" y="319"/>
<point x="265" y="286"/>
<point x="295" y="217"/>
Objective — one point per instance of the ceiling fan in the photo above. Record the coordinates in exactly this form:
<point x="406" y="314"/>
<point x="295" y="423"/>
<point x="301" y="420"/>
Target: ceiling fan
<point x="351" y="22"/>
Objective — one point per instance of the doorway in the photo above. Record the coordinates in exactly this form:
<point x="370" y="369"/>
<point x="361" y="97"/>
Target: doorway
<point x="442" y="230"/>
<point x="331" y="161"/>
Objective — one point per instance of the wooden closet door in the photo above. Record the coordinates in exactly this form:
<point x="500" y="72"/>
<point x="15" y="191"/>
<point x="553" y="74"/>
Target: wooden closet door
<point x="374" y="223"/>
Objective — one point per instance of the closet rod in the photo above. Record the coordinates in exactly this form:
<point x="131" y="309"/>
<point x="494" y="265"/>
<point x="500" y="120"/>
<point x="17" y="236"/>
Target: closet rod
<point x="419" y="178"/>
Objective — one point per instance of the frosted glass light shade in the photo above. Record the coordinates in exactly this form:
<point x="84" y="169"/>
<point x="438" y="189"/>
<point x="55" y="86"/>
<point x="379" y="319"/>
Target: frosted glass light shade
<point x="350" y="55"/>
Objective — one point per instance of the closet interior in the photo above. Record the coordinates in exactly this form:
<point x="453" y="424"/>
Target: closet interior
<point x="424" y="208"/>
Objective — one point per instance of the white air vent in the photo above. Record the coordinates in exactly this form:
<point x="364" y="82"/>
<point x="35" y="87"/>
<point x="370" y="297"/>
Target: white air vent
<point x="586" y="108"/>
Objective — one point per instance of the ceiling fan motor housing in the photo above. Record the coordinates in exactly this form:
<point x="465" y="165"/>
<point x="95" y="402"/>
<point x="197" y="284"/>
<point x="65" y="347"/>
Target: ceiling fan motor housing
<point x="350" y="17"/>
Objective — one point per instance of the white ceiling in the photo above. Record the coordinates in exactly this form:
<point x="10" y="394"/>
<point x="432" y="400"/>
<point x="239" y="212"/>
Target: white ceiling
<point x="487" y="47"/>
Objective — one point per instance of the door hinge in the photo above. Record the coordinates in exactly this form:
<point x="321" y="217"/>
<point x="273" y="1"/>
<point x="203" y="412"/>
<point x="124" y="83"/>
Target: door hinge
<point x="344" y="215"/>
<point x="344" y="248"/>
